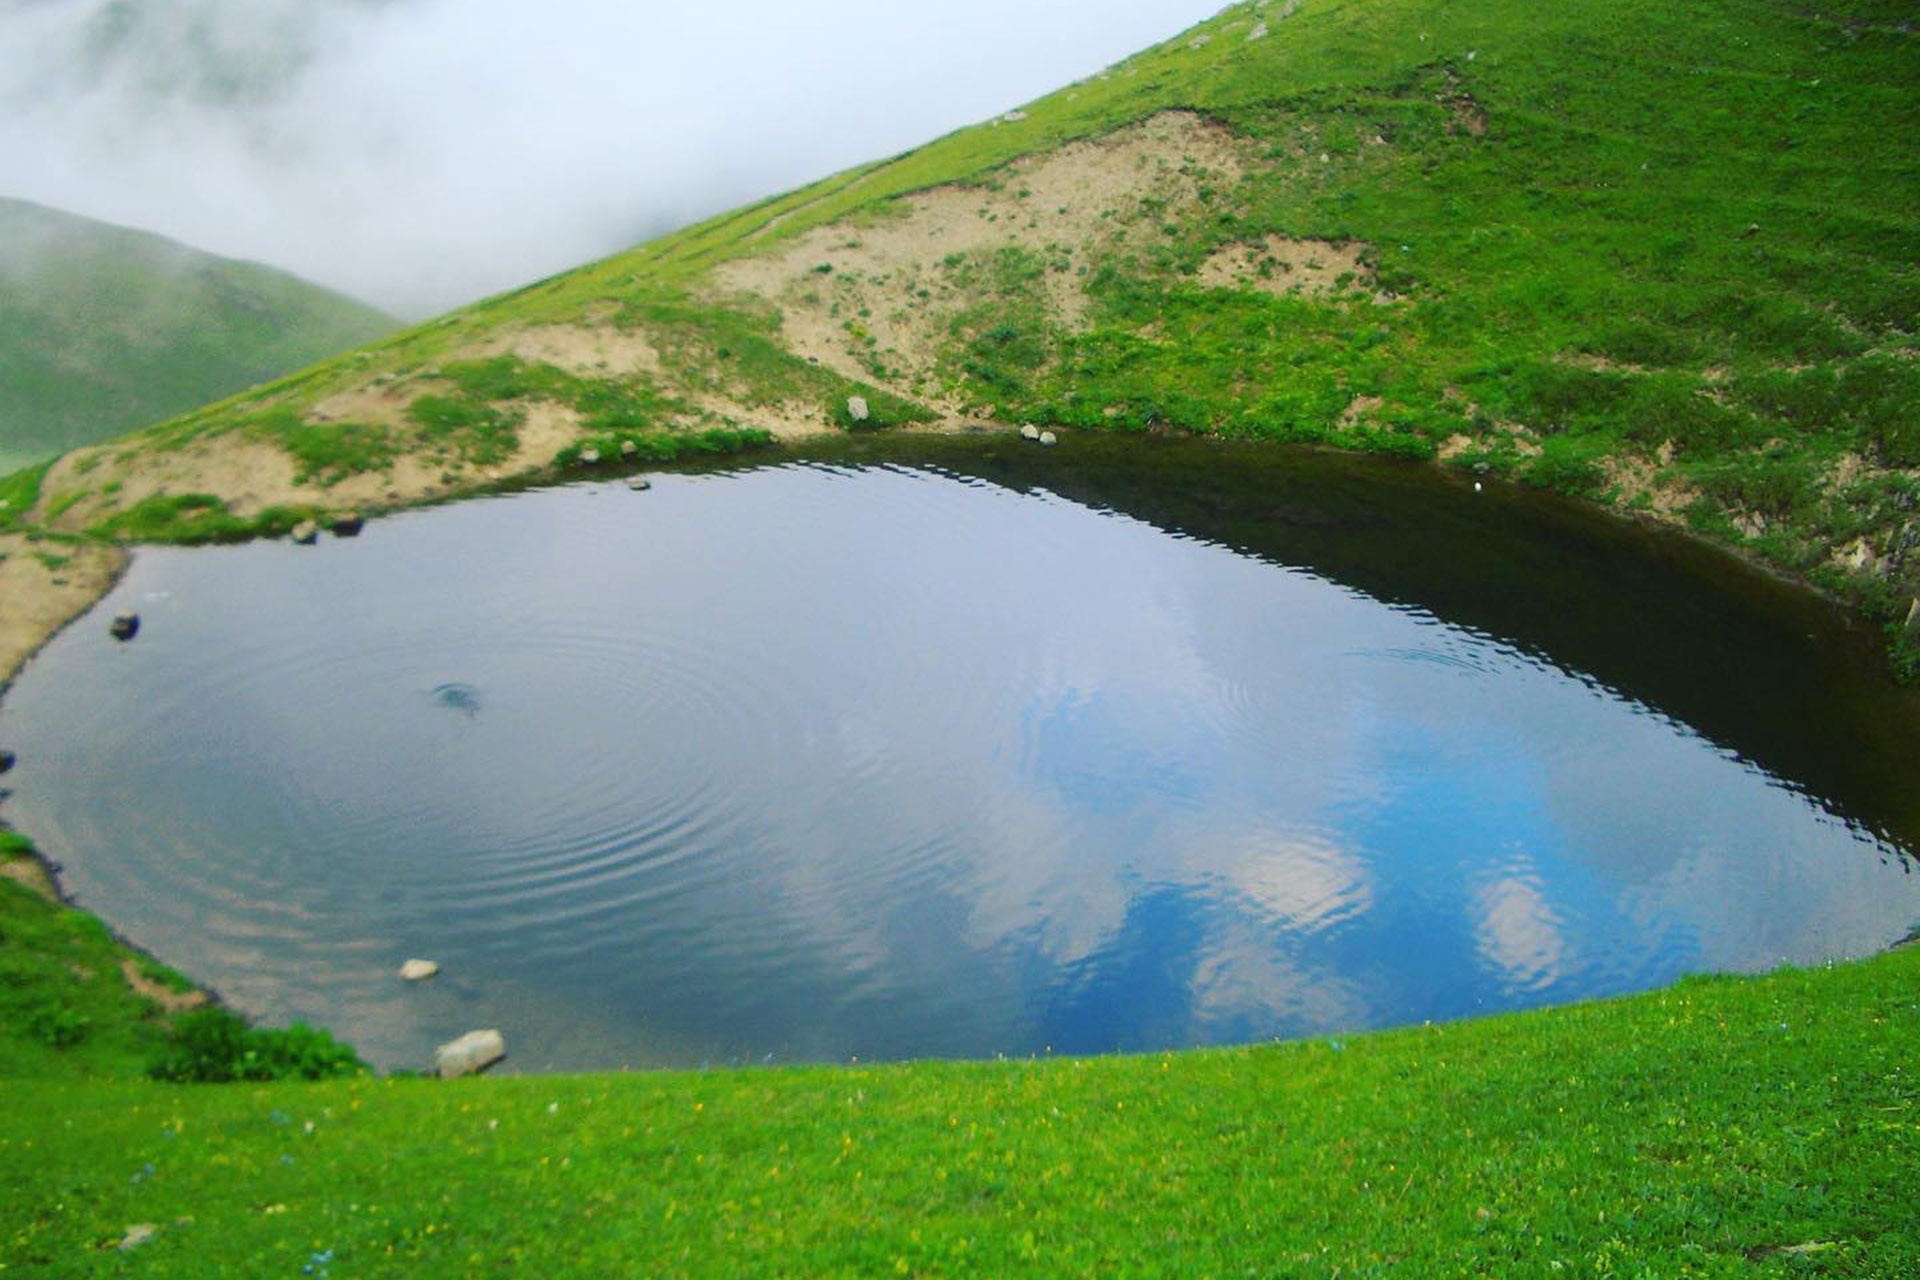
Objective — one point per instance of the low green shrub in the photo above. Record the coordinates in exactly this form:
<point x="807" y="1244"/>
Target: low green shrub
<point x="1773" y="487"/>
<point x="1566" y="472"/>
<point x="216" y="1046"/>
<point x="60" y="1027"/>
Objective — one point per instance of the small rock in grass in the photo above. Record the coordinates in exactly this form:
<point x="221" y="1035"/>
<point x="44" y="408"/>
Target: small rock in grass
<point x="306" y="533"/>
<point x="589" y="457"/>
<point x="857" y="408"/>
<point x="628" y="449"/>
<point x="1029" y="432"/>
<point x="471" y="1053"/>
<point x="1048" y="439"/>
<point x="418" y="970"/>
<point x="138" y="1234"/>
<point x="125" y="625"/>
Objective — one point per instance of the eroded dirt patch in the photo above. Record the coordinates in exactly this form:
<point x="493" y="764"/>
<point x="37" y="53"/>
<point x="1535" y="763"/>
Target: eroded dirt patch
<point x="1280" y="266"/>
<point x="32" y="875"/>
<point x="581" y="350"/>
<point x="1640" y="483"/>
<point x="44" y="586"/>
<point x="166" y="997"/>
<point x="251" y="475"/>
<point x="876" y="300"/>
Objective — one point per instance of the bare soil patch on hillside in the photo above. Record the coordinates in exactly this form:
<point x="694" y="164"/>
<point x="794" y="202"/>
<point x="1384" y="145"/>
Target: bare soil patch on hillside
<point x="42" y="596"/>
<point x="582" y="350"/>
<point x="875" y="299"/>
<point x="1281" y="266"/>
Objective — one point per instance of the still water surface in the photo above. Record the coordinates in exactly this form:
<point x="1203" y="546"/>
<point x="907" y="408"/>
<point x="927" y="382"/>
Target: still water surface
<point x="818" y="761"/>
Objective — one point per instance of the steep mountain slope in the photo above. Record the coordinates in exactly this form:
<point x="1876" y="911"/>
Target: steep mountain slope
<point x="1657" y="254"/>
<point x="103" y="329"/>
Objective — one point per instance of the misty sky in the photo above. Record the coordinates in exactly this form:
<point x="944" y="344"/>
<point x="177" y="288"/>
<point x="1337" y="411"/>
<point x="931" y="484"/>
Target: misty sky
<point x="422" y="153"/>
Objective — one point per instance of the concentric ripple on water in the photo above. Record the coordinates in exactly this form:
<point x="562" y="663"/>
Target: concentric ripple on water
<point x="813" y="763"/>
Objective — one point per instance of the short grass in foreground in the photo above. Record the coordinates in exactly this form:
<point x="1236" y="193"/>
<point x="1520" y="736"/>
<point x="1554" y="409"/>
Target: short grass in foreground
<point x="1737" y="1127"/>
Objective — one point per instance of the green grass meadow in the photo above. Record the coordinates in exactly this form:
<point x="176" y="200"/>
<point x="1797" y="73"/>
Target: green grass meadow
<point x="1725" y="1127"/>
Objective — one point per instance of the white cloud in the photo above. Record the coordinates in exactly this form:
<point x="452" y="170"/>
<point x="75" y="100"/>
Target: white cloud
<point x="420" y="153"/>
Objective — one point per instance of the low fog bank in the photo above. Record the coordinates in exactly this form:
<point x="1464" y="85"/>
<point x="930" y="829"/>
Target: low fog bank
<point x="419" y="154"/>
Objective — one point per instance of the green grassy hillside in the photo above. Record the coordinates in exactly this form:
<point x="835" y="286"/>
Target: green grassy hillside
<point x="103" y="329"/>
<point x="1660" y="255"/>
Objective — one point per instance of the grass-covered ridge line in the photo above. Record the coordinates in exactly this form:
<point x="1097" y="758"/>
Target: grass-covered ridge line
<point x="1724" y="1127"/>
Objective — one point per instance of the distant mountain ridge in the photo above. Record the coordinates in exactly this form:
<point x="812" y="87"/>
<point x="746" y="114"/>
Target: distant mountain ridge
<point x="103" y="328"/>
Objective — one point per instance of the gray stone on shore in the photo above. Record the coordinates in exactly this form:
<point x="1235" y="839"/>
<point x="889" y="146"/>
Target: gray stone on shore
<point x="8" y="760"/>
<point x="639" y="484"/>
<point x="471" y="1053"/>
<point x="1048" y="439"/>
<point x="1029" y="432"/>
<point x="125" y="625"/>
<point x="857" y="408"/>
<point x="348" y="524"/>
<point x="418" y="970"/>
<point x="306" y="533"/>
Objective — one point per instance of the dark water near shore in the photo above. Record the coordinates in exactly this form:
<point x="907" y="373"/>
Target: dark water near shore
<point x="1189" y="745"/>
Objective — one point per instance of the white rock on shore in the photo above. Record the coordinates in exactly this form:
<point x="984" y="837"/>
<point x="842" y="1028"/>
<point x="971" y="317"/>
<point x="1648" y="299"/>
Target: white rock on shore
<point x="471" y="1053"/>
<point x="418" y="970"/>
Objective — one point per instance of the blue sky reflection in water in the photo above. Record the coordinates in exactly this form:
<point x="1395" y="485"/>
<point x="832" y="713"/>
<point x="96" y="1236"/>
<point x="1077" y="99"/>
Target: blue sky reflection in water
<point x="812" y="762"/>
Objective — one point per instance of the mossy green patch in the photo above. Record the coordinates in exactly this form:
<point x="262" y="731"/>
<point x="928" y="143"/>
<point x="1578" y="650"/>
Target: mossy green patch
<point x="195" y="518"/>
